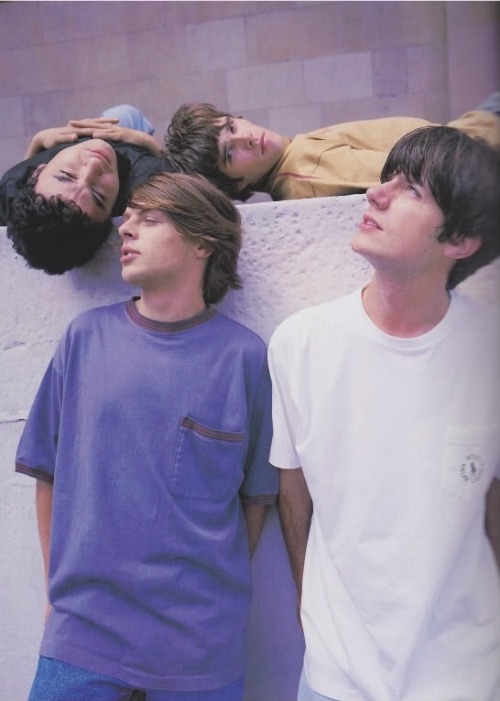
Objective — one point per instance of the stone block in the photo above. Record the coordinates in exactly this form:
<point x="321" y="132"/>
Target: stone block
<point x="390" y="72"/>
<point x="215" y="45"/>
<point x="266" y="86"/>
<point x="340" y="77"/>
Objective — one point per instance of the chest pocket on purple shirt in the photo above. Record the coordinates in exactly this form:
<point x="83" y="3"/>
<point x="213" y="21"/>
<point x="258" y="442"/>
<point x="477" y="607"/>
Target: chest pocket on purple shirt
<point x="207" y="462"/>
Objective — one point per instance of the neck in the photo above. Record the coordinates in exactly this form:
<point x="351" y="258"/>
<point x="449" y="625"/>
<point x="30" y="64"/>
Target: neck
<point x="404" y="310"/>
<point x="265" y="183"/>
<point x="161" y="305"/>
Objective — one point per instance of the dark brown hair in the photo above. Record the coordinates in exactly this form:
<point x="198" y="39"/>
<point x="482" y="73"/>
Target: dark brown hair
<point x="463" y="176"/>
<point x="192" y="146"/>
<point x="53" y="234"/>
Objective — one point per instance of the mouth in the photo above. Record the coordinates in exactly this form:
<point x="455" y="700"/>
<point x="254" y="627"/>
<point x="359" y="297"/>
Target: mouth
<point x="262" y="141"/>
<point x="102" y="152"/>
<point x="369" y="223"/>
<point x="127" y="255"/>
<point x="100" y="155"/>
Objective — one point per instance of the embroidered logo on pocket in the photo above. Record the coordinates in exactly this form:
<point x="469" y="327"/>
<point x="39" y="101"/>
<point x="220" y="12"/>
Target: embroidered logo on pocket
<point x="472" y="469"/>
<point x="465" y="465"/>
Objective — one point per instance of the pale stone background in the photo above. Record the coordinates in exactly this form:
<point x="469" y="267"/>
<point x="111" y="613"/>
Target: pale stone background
<point x="292" y="66"/>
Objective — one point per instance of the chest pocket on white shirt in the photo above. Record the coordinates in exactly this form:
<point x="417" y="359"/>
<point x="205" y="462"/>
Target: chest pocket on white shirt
<point x="207" y="462"/>
<point x="467" y="469"/>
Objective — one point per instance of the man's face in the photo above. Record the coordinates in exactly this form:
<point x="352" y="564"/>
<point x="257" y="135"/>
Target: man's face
<point x="155" y="256"/>
<point x="246" y="150"/>
<point x="85" y="173"/>
<point x="400" y="228"/>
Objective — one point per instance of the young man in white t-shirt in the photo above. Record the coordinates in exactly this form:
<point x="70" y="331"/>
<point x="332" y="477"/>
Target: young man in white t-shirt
<point x="386" y="415"/>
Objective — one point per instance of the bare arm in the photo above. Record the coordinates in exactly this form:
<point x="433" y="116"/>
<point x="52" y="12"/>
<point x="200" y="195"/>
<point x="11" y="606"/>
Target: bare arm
<point x="255" y="516"/>
<point x="295" y="510"/>
<point x="493" y="517"/>
<point x="44" y="519"/>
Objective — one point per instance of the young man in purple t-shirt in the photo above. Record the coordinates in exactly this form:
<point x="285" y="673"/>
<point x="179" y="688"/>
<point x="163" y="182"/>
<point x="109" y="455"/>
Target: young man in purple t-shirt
<point x="149" y="439"/>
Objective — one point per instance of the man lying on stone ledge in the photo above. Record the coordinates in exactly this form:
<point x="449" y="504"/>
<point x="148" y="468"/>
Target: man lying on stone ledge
<point x="242" y="158"/>
<point x="58" y="202"/>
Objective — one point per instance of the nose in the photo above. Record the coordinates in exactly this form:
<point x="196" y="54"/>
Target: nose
<point x="91" y="170"/>
<point x="379" y="195"/>
<point x="127" y="229"/>
<point x="244" y="140"/>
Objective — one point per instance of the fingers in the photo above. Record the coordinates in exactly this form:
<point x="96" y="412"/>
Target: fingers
<point x="105" y="133"/>
<point x="64" y="137"/>
<point x="93" y="122"/>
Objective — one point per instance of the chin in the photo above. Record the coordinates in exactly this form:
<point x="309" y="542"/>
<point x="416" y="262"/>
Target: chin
<point x="355" y="245"/>
<point x="128" y="276"/>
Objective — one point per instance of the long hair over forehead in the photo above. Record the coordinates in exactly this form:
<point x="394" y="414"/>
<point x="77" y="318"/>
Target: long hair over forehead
<point x="425" y="156"/>
<point x="201" y="213"/>
<point x="194" y="203"/>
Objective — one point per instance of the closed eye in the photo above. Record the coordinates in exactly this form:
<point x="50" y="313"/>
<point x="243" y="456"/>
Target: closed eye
<point x="64" y="176"/>
<point x="99" y="198"/>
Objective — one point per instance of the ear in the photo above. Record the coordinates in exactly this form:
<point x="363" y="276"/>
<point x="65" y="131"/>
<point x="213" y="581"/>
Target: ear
<point x="202" y="250"/>
<point x="37" y="171"/>
<point x="462" y="248"/>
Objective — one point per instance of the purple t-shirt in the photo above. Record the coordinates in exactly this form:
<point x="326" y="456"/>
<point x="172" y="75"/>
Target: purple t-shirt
<point x="152" y="433"/>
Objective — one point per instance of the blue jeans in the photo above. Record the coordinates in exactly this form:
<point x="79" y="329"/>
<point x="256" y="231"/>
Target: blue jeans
<point x="59" y="681"/>
<point x="305" y="692"/>
<point x="491" y="103"/>
<point x="130" y="117"/>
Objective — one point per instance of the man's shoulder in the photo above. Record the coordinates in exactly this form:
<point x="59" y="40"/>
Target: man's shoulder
<point x="480" y="317"/>
<point x="233" y="330"/>
<point x="316" y="318"/>
<point x="90" y="317"/>
<point x="475" y="306"/>
<point x="140" y="157"/>
<point x="14" y="180"/>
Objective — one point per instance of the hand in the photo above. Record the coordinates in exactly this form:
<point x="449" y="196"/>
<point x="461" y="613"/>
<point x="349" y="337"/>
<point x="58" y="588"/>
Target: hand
<point x="129" y="136"/>
<point x="48" y="611"/>
<point x="46" y="138"/>
<point x="93" y="122"/>
<point x="115" y="132"/>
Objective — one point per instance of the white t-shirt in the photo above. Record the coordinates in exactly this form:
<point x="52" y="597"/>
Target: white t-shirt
<point x="399" y="440"/>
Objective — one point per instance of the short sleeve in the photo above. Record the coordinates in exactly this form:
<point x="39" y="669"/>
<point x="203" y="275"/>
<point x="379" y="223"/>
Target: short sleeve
<point x="283" y="453"/>
<point x="261" y="478"/>
<point x="36" y="453"/>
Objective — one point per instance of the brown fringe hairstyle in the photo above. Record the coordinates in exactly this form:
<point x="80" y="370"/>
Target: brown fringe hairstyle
<point x="192" y="146"/>
<point x="201" y="213"/>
